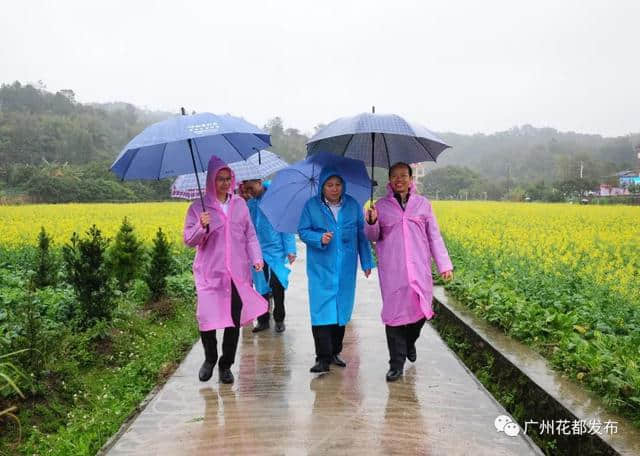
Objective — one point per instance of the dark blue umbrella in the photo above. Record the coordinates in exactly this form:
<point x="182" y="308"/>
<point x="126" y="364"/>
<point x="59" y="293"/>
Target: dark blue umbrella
<point x="163" y="150"/>
<point x="184" y="144"/>
<point x="378" y="140"/>
<point x="294" y="185"/>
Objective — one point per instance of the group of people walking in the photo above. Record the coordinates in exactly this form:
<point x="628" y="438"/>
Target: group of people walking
<point x="232" y="237"/>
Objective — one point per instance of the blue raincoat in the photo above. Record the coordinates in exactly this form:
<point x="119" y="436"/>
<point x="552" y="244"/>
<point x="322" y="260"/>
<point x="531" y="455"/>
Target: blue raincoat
<point x="332" y="268"/>
<point x="274" y="244"/>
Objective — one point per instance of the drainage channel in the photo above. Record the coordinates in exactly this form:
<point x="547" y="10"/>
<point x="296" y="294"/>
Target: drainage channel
<point x="559" y="416"/>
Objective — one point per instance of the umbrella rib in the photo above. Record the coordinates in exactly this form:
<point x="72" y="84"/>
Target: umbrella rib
<point x="234" y="147"/>
<point x="164" y="150"/>
<point x="386" y="148"/>
<point x="425" y="149"/>
<point x="344" y="152"/>
<point x="129" y="164"/>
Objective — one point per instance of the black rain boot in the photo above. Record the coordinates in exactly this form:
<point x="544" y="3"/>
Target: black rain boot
<point x="412" y="354"/>
<point x="210" y="354"/>
<point x="226" y="376"/>
<point x="263" y="323"/>
<point x="320" y="366"/>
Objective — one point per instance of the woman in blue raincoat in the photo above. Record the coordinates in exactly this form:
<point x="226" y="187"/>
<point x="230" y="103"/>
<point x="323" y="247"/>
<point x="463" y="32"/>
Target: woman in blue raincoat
<point x="332" y="226"/>
<point x="278" y="249"/>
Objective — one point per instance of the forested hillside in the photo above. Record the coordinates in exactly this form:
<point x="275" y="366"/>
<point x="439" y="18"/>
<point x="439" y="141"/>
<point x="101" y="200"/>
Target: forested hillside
<point x="55" y="149"/>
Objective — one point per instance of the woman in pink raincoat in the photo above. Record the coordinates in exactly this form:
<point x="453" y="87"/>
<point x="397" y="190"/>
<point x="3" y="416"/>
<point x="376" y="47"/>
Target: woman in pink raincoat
<point x="407" y="238"/>
<point x="226" y="298"/>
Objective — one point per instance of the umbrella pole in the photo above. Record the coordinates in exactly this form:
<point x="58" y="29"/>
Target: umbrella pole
<point x="195" y="170"/>
<point x="373" y="139"/>
<point x="373" y="145"/>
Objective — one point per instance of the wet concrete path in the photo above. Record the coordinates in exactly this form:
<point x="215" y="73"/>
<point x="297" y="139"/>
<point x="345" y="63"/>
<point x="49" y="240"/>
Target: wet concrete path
<point x="277" y="407"/>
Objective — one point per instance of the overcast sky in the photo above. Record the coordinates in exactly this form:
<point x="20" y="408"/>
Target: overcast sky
<point x="463" y="66"/>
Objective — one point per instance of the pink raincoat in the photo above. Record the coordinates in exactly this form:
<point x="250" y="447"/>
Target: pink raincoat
<point x="406" y="242"/>
<point x="222" y="255"/>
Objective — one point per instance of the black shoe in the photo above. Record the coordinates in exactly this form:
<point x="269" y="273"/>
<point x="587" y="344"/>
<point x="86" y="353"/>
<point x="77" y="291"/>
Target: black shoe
<point x="261" y="326"/>
<point x="335" y="359"/>
<point x="279" y="326"/>
<point x="226" y="376"/>
<point x="206" y="370"/>
<point x="412" y="355"/>
<point x="320" y="366"/>
<point x="394" y="374"/>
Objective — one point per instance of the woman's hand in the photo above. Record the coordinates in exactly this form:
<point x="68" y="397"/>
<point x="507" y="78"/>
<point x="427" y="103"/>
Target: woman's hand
<point x="372" y="215"/>
<point x="291" y="258"/>
<point x="326" y="237"/>
<point x="447" y="275"/>
<point x="367" y="273"/>
<point x="205" y="218"/>
<point x="258" y="266"/>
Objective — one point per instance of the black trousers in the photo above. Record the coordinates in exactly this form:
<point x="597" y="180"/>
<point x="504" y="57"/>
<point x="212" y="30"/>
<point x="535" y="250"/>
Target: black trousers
<point x="229" y="339"/>
<point x="277" y="291"/>
<point x="400" y="339"/>
<point x="328" y="340"/>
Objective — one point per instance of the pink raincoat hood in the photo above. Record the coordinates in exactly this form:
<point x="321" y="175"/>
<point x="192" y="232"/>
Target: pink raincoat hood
<point x="213" y="168"/>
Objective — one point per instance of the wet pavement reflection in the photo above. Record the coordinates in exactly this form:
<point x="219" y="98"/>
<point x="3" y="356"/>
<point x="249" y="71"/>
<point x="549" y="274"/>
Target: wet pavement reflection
<point x="277" y="407"/>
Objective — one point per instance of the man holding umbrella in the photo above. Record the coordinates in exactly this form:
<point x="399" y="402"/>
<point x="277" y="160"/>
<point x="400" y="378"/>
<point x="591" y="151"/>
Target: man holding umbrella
<point x="277" y="248"/>
<point x="407" y="238"/>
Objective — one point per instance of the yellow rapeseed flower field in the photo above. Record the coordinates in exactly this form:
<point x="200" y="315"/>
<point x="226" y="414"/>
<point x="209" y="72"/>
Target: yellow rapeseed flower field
<point x="600" y="243"/>
<point x="21" y="224"/>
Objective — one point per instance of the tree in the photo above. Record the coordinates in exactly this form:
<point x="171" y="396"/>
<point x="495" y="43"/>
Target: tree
<point x="447" y="182"/>
<point x="88" y="274"/>
<point x="160" y="267"/>
<point x="574" y="188"/>
<point x="45" y="264"/>
<point x="126" y="256"/>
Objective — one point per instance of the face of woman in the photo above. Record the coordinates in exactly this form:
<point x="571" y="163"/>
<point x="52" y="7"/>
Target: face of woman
<point x="223" y="182"/>
<point x="332" y="189"/>
<point x="400" y="179"/>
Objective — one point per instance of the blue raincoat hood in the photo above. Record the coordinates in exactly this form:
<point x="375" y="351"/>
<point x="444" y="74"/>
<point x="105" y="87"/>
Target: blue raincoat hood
<point x="326" y="173"/>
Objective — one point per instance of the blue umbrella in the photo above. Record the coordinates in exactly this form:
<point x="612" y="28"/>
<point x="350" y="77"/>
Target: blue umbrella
<point x="184" y="144"/>
<point x="294" y="185"/>
<point x="378" y="140"/>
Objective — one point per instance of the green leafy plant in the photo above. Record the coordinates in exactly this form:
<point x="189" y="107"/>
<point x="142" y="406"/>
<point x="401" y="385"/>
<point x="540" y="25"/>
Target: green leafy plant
<point x="126" y="256"/>
<point x="88" y="274"/>
<point x="160" y="267"/>
<point x="8" y="386"/>
<point x="45" y="264"/>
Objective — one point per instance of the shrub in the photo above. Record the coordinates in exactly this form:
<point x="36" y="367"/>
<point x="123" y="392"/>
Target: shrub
<point x="88" y="274"/>
<point x="45" y="264"/>
<point x="160" y="267"/>
<point x="126" y="255"/>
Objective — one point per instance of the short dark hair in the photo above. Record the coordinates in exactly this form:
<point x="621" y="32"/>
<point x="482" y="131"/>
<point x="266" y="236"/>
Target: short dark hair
<point x="398" y="165"/>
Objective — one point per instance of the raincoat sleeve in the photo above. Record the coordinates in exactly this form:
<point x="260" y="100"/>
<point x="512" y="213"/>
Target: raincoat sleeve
<point x="194" y="234"/>
<point x="289" y="243"/>
<point x="310" y="236"/>
<point x="436" y="244"/>
<point x="364" y="248"/>
<point x="253" y="246"/>
<point x="373" y="231"/>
